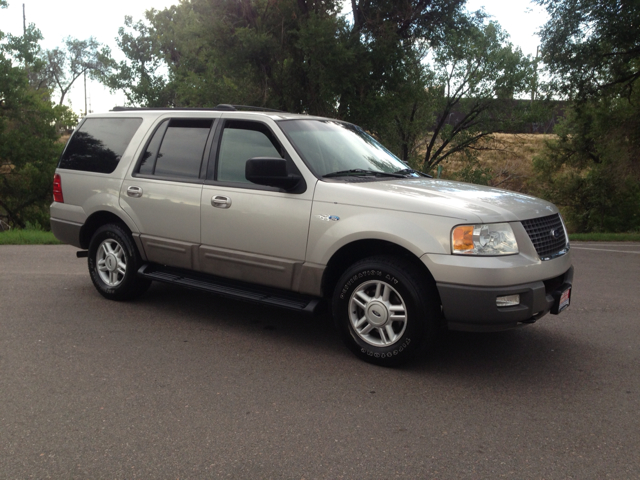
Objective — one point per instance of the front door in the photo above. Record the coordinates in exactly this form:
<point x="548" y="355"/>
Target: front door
<point x="250" y="232"/>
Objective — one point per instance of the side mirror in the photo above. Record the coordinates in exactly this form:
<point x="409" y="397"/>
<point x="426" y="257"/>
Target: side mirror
<point x="271" y="172"/>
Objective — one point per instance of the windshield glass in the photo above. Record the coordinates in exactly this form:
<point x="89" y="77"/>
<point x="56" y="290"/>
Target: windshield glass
<point x="330" y="146"/>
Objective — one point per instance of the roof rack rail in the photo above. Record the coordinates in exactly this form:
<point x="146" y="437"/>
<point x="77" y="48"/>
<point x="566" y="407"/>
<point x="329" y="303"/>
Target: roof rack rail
<point x="222" y="107"/>
<point x="247" y="107"/>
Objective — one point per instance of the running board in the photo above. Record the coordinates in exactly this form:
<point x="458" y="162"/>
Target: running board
<point x="231" y="289"/>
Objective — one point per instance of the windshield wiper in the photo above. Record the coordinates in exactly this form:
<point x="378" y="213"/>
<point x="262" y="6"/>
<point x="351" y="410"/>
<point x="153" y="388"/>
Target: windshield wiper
<point x="406" y="171"/>
<point x="362" y="172"/>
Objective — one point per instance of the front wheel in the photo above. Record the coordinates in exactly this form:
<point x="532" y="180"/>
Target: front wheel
<point x="113" y="264"/>
<point x="385" y="308"/>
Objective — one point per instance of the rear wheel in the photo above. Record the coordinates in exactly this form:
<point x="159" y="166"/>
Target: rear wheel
<point x="385" y="309"/>
<point x="113" y="264"/>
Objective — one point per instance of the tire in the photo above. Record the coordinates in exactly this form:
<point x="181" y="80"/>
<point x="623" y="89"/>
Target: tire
<point x="367" y="295"/>
<point x="113" y="264"/>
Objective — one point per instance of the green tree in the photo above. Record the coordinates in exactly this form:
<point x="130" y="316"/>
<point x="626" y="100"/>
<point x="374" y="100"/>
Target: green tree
<point x="26" y="51"/>
<point x="29" y="147"/>
<point x="592" y="47"/>
<point x="262" y="53"/>
<point x="476" y="75"/>
<point x="142" y="76"/>
<point x="592" y="53"/>
<point x="305" y="56"/>
<point x="592" y="169"/>
<point x="302" y="56"/>
<point x="63" y="66"/>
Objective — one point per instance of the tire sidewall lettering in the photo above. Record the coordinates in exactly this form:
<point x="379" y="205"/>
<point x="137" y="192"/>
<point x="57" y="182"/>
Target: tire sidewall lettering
<point x="391" y="279"/>
<point x="387" y="354"/>
<point x="354" y="278"/>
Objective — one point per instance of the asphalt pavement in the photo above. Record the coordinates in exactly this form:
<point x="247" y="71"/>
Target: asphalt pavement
<point x="184" y="384"/>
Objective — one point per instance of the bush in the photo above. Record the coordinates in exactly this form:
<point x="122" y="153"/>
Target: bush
<point x="592" y="171"/>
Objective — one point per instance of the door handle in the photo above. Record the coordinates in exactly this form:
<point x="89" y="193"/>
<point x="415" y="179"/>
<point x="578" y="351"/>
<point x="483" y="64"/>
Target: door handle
<point x="135" y="192"/>
<point x="220" y="201"/>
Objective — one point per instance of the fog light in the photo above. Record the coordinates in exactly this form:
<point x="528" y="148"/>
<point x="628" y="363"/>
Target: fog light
<point x="508" y="301"/>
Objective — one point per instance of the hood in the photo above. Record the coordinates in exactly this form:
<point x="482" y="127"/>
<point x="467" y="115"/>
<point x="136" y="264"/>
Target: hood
<point x="463" y="201"/>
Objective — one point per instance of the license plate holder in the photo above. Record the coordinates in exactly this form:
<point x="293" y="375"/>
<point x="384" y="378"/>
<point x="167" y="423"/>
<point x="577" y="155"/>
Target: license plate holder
<point x="561" y="299"/>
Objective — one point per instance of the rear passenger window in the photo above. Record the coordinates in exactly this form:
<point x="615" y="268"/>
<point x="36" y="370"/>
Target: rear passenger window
<point x="98" y="144"/>
<point x="176" y="149"/>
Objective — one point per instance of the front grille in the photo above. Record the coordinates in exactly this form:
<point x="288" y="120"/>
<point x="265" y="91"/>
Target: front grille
<point x="547" y="235"/>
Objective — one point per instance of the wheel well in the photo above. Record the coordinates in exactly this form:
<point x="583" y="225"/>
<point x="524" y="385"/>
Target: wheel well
<point x="94" y="222"/>
<point x="353" y="252"/>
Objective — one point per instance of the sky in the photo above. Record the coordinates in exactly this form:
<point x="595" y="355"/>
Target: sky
<point x="81" y="19"/>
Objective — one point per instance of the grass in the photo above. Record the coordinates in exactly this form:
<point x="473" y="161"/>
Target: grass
<point x="27" y="237"/>
<point x="510" y="157"/>
<point x="604" y="237"/>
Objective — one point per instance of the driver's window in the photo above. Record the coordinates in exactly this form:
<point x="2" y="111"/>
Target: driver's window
<point x="241" y="141"/>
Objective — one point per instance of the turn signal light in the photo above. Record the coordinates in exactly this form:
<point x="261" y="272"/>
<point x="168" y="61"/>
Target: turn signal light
<point x="463" y="238"/>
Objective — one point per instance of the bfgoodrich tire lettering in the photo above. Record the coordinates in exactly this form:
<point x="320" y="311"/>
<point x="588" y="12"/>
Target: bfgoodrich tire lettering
<point x="385" y="308"/>
<point x="113" y="264"/>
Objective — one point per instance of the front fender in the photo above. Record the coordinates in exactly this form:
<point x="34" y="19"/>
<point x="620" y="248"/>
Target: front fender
<point x="333" y="226"/>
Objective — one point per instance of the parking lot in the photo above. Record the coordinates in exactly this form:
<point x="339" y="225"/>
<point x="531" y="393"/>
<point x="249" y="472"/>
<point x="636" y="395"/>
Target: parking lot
<point x="183" y="384"/>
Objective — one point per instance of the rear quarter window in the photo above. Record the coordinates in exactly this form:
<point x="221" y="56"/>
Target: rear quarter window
<point x="98" y="144"/>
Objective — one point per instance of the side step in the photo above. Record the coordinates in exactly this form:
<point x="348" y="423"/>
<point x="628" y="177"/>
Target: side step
<point x="231" y="289"/>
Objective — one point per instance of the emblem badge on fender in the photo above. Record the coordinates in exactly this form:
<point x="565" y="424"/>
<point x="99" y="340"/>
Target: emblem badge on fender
<point x="328" y="218"/>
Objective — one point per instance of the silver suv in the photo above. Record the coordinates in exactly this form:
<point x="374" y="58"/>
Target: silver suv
<point x="299" y="211"/>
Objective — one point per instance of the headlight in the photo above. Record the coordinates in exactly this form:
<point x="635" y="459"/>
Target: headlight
<point x="487" y="239"/>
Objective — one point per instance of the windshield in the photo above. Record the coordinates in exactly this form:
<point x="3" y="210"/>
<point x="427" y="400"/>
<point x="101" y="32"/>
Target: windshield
<point x="329" y="146"/>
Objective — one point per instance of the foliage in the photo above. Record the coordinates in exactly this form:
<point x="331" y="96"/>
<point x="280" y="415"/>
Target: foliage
<point x="141" y="76"/>
<point x="592" y="46"/>
<point x="305" y="56"/>
<point x="281" y="55"/>
<point x="58" y="69"/>
<point x="593" y="169"/>
<point x="29" y="147"/>
<point x="480" y="72"/>
<point x="472" y="170"/>
<point x="26" y="52"/>
<point x="63" y="66"/>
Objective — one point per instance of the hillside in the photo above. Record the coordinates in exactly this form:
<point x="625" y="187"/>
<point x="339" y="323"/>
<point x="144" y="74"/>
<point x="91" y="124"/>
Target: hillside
<point x="508" y="156"/>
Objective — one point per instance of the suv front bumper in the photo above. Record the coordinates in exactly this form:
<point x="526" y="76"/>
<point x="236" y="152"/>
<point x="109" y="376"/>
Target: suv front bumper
<point x="472" y="308"/>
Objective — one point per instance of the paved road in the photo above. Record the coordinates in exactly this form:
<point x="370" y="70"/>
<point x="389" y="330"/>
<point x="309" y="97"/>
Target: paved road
<point x="181" y="384"/>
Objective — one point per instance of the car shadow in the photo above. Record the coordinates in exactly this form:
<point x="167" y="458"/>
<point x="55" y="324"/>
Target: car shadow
<point x="535" y="354"/>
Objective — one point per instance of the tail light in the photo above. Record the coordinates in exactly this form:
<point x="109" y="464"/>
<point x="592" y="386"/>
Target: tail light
<point x="57" y="189"/>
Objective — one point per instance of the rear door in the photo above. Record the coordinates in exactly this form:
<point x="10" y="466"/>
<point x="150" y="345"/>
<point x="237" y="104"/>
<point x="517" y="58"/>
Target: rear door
<point x="162" y="193"/>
